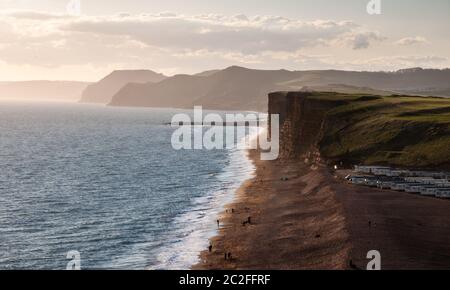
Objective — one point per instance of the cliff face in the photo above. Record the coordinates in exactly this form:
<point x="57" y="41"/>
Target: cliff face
<point x="301" y="121"/>
<point x="352" y="129"/>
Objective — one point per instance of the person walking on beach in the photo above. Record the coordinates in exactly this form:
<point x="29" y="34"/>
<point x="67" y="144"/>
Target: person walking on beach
<point x="218" y="223"/>
<point x="210" y="248"/>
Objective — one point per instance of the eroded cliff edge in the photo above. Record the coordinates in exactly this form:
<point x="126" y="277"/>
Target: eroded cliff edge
<point x="350" y="129"/>
<point x="320" y="129"/>
<point x="303" y="217"/>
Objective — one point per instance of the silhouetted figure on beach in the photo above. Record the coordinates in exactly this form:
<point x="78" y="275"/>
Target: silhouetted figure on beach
<point x="230" y="256"/>
<point x="247" y="222"/>
<point x="218" y="223"/>
<point x="210" y="248"/>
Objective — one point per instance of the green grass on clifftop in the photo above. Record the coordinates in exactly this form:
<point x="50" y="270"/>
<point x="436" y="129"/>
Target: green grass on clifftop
<point x="390" y="130"/>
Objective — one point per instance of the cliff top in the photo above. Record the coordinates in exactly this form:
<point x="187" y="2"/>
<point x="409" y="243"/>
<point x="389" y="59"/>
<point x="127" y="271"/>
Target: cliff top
<point x="387" y="130"/>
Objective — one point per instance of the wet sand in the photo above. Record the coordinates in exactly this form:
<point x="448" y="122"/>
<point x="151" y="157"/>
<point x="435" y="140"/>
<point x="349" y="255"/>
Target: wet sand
<point x="304" y="217"/>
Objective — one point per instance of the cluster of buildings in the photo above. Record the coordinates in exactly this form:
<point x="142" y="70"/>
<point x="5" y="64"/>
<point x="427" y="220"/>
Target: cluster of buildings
<point x="426" y="183"/>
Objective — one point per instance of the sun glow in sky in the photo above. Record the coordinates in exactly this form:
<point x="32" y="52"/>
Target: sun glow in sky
<point x="41" y="40"/>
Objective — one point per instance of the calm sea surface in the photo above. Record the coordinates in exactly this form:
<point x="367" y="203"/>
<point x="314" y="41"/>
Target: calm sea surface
<point x="106" y="182"/>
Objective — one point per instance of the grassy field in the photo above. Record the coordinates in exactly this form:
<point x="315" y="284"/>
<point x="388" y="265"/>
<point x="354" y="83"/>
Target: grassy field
<point x="387" y="130"/>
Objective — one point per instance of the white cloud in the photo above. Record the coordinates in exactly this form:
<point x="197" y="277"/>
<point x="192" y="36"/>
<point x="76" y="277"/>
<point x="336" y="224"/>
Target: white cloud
<point x="46" y="39"/>
<point x="238" y="33"/>
<point x="359" y="39"/>
<point x="407" y="41"/>
<point x="33" y="15"/>
<point x="170" y="42"/>
<point x="394" y="62"/>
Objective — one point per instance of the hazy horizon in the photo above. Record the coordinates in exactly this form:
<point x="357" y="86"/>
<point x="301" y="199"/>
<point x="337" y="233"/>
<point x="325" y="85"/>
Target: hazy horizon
<point x="42" y="40"/>
<point x="202" y="71"/>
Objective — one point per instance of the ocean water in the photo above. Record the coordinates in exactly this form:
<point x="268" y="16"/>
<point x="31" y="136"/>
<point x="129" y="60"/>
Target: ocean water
<point x="106" y="182"/>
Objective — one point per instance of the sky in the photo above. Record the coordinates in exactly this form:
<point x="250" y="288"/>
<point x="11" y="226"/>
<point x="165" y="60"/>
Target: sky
<point x="44" y="39"/>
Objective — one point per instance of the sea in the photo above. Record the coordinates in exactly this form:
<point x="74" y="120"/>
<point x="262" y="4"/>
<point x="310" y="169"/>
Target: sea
<point x="105" y="182"/>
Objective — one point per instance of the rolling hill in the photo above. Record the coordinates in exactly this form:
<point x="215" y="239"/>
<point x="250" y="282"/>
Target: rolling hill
<point x="103" y="90"/>
<point x="238" y="88"/>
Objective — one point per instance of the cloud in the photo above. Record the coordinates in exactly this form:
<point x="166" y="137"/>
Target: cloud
<point x="301" y="60"/>
<point x="363" y="40"/>
<point x="50" y="39"/>
<point x="32" y="15"/>
<point x="394" y="62"/>
<point x="422" y="60"/>
<point x="407" y="41"/>
<point x="169" y="41"/>
<point x="217" y="32"/>
<point x="358" y="40"/>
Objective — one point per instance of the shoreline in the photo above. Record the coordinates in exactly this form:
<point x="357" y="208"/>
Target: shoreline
<point x="273" y="240"/>
<point x="306" y="217"/>
<point x="199" y="222"/>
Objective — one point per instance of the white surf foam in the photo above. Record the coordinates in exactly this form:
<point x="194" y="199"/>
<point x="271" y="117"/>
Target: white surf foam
<point x="200" y="221"/>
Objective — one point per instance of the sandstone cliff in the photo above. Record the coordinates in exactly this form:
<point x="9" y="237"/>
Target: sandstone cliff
<point x="352" y="129"/>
